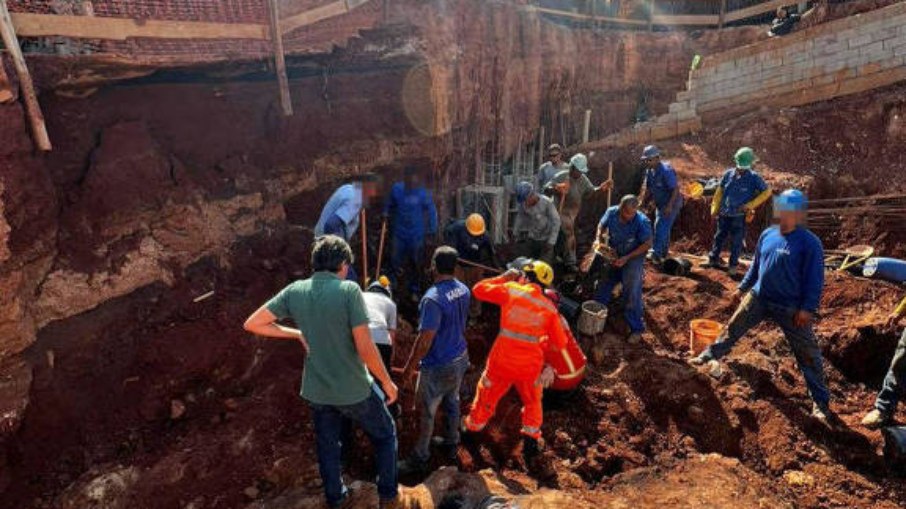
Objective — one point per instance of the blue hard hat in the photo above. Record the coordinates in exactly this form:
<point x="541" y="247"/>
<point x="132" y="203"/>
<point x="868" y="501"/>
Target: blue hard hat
<point x="650" y="151"/>
<point x="791" y="200"/>
<point x="523" y="191"/>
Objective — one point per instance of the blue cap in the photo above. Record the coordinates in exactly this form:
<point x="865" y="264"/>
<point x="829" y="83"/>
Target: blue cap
<point x="523" y="191"/>
<point x="791" y="200"/>
<point x="650" y="151"/>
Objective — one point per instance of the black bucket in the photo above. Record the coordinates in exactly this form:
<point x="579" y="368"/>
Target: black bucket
<point x="677" y="266"/>
<point x="895" y="447"/>
<point x="568" y="308"/>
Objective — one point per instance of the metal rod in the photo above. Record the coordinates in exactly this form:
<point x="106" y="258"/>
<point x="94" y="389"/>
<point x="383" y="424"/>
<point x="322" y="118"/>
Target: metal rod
<point x="480" y="266"/>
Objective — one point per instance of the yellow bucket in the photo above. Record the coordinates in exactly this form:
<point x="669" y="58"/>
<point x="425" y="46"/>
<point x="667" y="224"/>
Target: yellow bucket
<point x="702" y="333"/>
<point x="694" y="189"/>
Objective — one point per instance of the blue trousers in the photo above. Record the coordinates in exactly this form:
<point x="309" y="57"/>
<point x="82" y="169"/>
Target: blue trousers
<point x="439" y="386"/>
<point x="631" y="276"/>
<point x="895" y="381"/>
<point x="802" y="341"/>
<point x="663" y="224"/>
<point x="733" y="227"/>
<point x="407" y="251"/>
<point x="373" y="417"/>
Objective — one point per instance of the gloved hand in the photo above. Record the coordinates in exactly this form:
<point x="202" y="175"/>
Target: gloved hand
<point x="547" y="376"/>
<point x="513" y="274"/>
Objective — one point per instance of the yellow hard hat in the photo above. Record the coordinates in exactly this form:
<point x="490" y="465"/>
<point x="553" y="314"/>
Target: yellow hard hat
<point x="475" y="224"/>
<point x="543" y="272"/>
<point x="694" y="189"/>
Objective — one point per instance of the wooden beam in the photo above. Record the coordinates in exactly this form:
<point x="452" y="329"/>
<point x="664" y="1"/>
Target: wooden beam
<point x="755" y="10"/>
<point x="286" y="101"/>
<point x="27" y="86"/>
<point x="313" y="16"/>
<point x="651" y="15"/>
<point x="721" y="19"/>
<point x="686" y="19"/>
<point x="97" y="27"/>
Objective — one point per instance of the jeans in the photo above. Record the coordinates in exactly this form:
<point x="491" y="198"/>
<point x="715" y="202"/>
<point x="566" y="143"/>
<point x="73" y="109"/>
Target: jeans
<point x="735" y="228"/>
<point x="631" y="275"/>
<point x="663" y="224"/>
<point x="895" y="381"/>
<point x="802" y="341"/>
<point x="372" y="416"/>
<point x="436" y="386"/>
<point x="407" y="251"/>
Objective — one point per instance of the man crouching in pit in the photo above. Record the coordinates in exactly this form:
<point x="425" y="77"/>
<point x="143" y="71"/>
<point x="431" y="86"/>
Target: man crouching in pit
<point x="784" y="285"/>
<point x="333" y="328"/>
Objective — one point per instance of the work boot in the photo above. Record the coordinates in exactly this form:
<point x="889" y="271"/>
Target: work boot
<point x="530" y="449"/>
<point x="822" y="414"/>
<point x="634" y="338"/>
<point x="712" y="264"/>
<point x="876" y="419"/>
<point x="448" y="451"/>
<point x="412" y="466"/>
<point x="655" y="259"/>
<point x="700" y="359"/>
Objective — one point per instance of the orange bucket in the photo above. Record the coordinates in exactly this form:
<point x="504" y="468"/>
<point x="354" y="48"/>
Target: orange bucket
<point x="702" y="333"/>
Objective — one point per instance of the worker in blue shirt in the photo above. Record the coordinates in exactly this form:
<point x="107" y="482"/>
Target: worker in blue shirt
<point x="661" y="186"/>
<point x="440" y="357"/>
<point x="739" y="194"/>
<point x="628" y="239"/>
<point x="340" y="215"/>
<point x="783" y="284"/>
<point x="412" y="214"/>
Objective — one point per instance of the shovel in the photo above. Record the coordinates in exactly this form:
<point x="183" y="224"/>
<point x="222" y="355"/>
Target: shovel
<point x="854" y="255"/>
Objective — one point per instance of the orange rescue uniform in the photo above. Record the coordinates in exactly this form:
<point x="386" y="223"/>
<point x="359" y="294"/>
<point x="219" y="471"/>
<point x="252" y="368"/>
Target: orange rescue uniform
<point x="529" y="324"/>
<point x="568" y="363"/>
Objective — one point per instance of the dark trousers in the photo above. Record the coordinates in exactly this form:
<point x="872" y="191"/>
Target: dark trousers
<point x="733" y="227"/>
<point x="436" y="386"/>
<point x="373" y="417"/>
<point x="895" y="381"/>
<point x="802" y="341"/>
<point x="411" y="252"/>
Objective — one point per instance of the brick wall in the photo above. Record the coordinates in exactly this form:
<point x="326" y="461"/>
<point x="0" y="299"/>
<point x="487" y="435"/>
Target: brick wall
<point x="842" y="57"/>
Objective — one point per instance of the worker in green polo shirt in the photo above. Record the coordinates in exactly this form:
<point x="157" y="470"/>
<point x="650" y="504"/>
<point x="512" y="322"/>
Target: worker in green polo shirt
<point x="333" y="328"/>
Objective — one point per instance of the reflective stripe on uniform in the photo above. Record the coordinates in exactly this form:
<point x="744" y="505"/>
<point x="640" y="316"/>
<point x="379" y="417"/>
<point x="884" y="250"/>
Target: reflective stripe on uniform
<point x="569" y="361"/>
<point x="570" y="376"/>
<point x="531" y="431"/>
<point x="518" y="336"/>
<point x="544" y="303"/>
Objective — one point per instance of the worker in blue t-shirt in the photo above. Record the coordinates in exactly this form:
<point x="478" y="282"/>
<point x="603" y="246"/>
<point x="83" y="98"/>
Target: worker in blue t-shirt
<point x="740" y="193"/>
<point x="783" y="284"/>
<point x="413" y="215"/>
<point x="629" y="238"/>
<point x="439" y="356"/>
<point x="341" y="214"/>
<point x="661" y="186"/>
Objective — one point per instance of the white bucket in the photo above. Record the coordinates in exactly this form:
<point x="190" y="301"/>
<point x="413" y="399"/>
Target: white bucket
<point x="592" y="319"/>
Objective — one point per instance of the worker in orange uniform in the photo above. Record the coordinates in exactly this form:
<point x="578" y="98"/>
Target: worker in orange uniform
<point x="569" y="363"/>
<point x="529" y="324"/>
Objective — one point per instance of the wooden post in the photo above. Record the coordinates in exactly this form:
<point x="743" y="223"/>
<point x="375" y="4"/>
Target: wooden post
<point x="541" y="147"/>
<point x="363" y="228"/>
<point x="279" y="58"/>
<point x="610" y="177"/>
<point x="586" y="127"/>
<point x="650" y="15"/>
<point x="723" y="14"/>
<point x="27" y="86"/>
